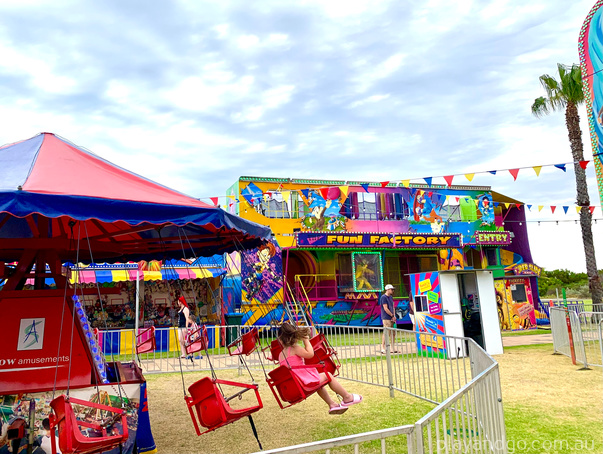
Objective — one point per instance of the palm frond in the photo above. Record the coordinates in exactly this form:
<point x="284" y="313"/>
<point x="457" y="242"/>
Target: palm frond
<point x="541" y="107"/>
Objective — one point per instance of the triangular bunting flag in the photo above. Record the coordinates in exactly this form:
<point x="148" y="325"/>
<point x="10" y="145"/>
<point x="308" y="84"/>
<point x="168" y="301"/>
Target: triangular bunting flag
<point x="518" y="205"/>
<point x="537" y="169"/>
<point x="231" y="197"/>
<point x="285" y="195"/>
<point x="469" y="176"/>
<point x="493" y="172"/>
<point x="405" y="183"/>
<point x="457" y="199"/>
<point x="344" y="190"/>
<point x="324" y="192"/>
<point x="529" y="207"/>
<point x="583" y="164"/>
<point x="560" y="167"/>
<point x="540" y="207"/>
<point x="429" y="194"/>
<point x="214" y="200"/>
<point x="384" y="183"/>
<point x="578" y="209"/>
<point x="565" y="209"/>
<point x="305" y="192"/>
<point x="476" y="202"/>
<point x="507" y="205"/>
<point x="365" y="186"/>
<point x="496" y="204"/>
<point x="514" y="172"/>
<point x="553" y="208"/>
<point x="428" y="180"/>
<point x="592" y="209"/>
<point x="449" y="179"/>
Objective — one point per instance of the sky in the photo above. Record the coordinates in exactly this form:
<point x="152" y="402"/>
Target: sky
<point x="194" y="94"/>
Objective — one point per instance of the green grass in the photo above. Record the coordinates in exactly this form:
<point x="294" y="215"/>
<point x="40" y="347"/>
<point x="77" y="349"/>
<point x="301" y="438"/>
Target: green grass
<point x="526" y="332"/>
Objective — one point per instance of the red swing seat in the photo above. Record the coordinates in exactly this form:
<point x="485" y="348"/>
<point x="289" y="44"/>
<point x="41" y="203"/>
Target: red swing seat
<point x="272" y="351"/>
<point x="287" y="387"/>
<point x="209" y="408"/>
<point x="247" y="343"/>
<point x="72" y="440"/>
<point x="196" y="340"/>
<point x="145" y="340"/>
<point x="324" y="353"/>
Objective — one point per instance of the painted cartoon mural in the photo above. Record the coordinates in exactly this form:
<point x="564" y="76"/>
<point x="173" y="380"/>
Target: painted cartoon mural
<point x="514" y="302"/>
<point x="590" y="48"/>
<point x="486" y="207"/>
<point x="325" y="207"/>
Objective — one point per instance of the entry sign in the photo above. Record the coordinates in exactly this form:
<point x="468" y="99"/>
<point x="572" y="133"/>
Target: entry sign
<point x="484" y="238"/>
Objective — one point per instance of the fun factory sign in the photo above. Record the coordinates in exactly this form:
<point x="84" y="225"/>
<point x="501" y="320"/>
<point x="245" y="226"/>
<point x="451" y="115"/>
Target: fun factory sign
<point x="379" y="240"/>
<point x="493" y="238"/>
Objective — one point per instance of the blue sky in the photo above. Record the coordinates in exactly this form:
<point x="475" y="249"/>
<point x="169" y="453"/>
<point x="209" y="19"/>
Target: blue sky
<point x="193" y="94"/>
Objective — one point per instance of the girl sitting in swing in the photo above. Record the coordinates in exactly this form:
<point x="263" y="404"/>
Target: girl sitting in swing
<point x="294" y="354"/>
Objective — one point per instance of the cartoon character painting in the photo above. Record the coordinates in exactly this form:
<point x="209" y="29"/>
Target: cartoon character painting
<point x="486" y="207"/>
<point x="324" y="210"/>
<point x="424" y="208"/>
<point x="258" y="270"/>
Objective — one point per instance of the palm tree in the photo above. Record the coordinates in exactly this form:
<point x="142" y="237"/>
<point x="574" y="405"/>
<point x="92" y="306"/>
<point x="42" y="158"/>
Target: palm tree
<point x="567" y="94"/>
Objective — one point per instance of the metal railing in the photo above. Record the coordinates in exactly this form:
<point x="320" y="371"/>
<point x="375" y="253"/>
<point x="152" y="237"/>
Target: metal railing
<point x="586" y="340"/>
<point x="453" y="373"/>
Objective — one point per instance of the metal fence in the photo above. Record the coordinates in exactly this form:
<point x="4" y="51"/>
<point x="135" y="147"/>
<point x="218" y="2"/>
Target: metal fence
<point x="453" y="373"/>
<point x="586" y="340"/>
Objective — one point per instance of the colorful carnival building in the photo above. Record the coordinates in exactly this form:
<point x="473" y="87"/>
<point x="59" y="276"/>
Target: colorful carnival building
<point x="458" y="254"/>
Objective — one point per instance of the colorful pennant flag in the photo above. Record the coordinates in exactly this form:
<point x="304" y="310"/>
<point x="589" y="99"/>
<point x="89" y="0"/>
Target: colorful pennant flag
<point x="514" y="172"/>
<point x="428" y="180"/>
<point x="429" y="194"/>
<point x="565" y="209"/>
<point x="457" y="199"/>
<point x="583" y="164"/>
<point x="537" y="169"/>
<point x="306" y="193"/>
<point x="507" y="205"/>
<point x="518" y="205"/>
<point x="344" y="190"/>
<point x="493" y="172"/>
<point x="561" y="167"/>
<point x="469" y="176"/>
<point x="285" y="195"/>
<point x="324" y="192"/>
<point x="365" y="186"/>
<point x="405" y="183"/>
<point x="214" y="200"/>
<point x="529" y="207"/>
<point x="448" y="179"/>
<point x="578" y="209"/>
<point x="496" y="204"/>
<point x="592" y="209"/>
<point x="384" y="184"/>
<point x="540" y="207"/>
<point x="553" y="208"/>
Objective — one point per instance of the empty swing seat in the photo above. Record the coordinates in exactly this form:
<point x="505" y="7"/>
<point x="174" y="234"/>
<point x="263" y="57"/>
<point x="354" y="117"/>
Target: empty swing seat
<point x="145" y="340"/>
<point x="246" y="343"/>
<point x="209" y="408"/>
<point x="324" y="353"/>
<point x="287" y="387"/>
<point x="73" y="440"/>
<point x="272" y="351"/>
<point x="196" y="340"/>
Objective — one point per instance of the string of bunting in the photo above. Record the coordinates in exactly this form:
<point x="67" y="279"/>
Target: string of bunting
<point x="406" y="183"/>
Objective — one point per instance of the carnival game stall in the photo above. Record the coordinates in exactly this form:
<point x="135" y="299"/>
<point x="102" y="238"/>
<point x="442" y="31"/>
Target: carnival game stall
<point x="60" y="203"/>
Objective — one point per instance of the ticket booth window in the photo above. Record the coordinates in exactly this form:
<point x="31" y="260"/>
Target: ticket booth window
<point x="518" y="293"/>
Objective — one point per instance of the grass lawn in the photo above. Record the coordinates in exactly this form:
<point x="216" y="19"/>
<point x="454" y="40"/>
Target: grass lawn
<point x="526" y="332"/>
<point x="550" y="407"/>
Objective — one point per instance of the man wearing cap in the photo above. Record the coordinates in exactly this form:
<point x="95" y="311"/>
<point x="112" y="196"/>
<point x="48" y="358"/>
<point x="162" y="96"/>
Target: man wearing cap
<point x="388" y="315"/>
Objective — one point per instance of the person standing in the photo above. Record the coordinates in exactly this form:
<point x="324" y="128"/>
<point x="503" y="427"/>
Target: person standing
<point x="183" y="323"/>
<point x="388" y="316"/>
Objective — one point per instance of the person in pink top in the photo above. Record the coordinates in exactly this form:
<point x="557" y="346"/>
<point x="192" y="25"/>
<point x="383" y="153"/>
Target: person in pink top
<point x="294" y="354"/>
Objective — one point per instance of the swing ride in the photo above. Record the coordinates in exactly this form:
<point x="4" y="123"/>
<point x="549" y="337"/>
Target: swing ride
<point x="60" y="203"/>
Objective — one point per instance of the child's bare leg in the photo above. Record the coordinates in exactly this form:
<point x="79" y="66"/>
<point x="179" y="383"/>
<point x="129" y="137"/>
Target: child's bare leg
<point x="324" y="395"/>
<point x="339" y="389"/>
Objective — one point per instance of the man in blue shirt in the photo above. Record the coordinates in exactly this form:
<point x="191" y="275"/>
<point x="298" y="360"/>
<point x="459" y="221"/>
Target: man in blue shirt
<point x="388" y="315"/>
